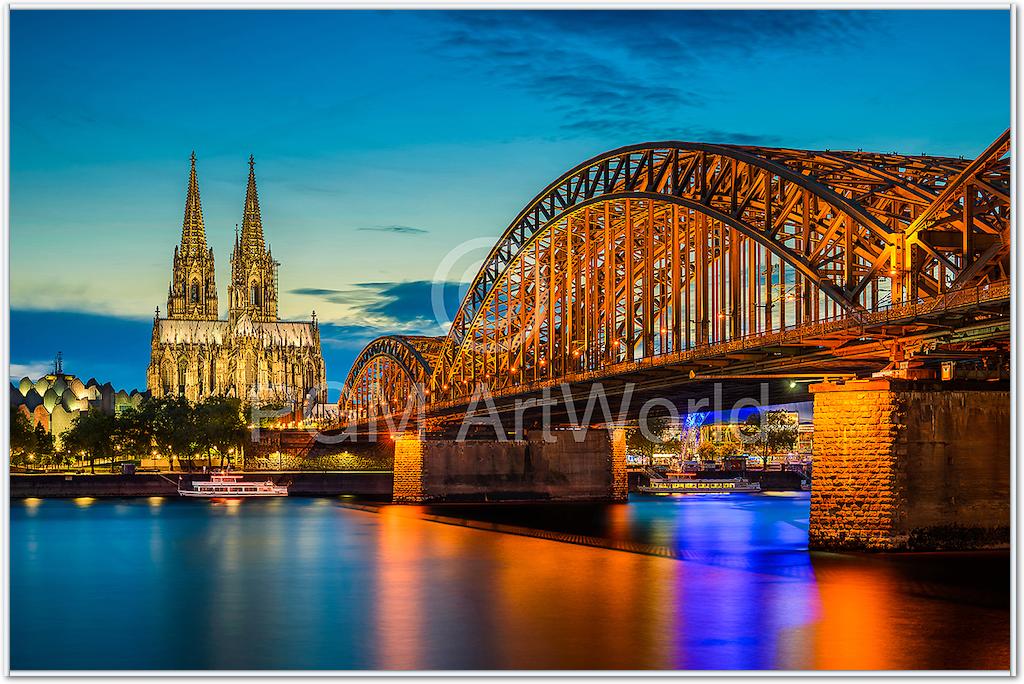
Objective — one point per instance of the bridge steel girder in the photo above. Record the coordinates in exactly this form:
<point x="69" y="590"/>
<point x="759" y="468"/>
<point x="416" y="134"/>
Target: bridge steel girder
<point x="388" y="375"/>
<point x="661" y="249"/>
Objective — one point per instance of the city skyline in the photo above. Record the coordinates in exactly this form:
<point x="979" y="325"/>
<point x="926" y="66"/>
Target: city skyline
<point x="405" y="132"/>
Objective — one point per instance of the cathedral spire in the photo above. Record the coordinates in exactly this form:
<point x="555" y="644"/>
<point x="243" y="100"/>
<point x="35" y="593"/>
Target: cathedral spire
<point x="193" y="232"/>
<point x="192" y="292"/>
<point x="253" y="288"/>
<point x="252" y="224"/>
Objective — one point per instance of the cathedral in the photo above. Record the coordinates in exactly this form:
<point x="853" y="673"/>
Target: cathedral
<point x="253" y="355"/>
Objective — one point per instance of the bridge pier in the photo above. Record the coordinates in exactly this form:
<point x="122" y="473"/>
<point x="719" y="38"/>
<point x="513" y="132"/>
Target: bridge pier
<point x="910" y="465"/>
<point x="571" y="466"/>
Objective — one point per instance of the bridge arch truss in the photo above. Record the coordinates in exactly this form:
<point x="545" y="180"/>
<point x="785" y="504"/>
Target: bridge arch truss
<point x="389" y="375"/>
<point x="665" y="247"/>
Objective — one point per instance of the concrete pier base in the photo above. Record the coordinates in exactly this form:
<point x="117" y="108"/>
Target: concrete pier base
<point x="573" y="466"/>
<point x="910" y="465"/>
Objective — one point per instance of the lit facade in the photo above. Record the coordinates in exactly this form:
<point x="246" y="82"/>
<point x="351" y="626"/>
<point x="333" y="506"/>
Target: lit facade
<point x="253" y="355"/>
<point x="55" y="400"/>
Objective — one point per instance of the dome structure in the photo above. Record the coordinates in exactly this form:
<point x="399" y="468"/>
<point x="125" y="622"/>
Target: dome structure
<point x="40" y="416"/>
<point x="33" y="399"/>
<point x="55" y="400"/>
<point x="50" y="399"/>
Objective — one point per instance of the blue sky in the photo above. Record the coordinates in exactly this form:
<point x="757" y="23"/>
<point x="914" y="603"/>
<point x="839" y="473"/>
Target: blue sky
<point x="386" y="139"/>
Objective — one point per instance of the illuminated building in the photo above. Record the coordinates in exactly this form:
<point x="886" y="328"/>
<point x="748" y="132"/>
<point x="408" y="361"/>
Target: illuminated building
<point x="55" y="400"/>
<point x="253" y="355"/>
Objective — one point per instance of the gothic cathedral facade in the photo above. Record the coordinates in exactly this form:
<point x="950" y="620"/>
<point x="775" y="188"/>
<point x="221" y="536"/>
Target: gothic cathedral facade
<point x="253" y="355"/>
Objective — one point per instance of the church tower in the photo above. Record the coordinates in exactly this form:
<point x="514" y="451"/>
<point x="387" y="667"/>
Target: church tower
<point x="253" y="287"/>
<point x="192" y="293"/>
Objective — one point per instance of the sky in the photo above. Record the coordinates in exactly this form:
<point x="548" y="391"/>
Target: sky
<point x="393" y="148"/>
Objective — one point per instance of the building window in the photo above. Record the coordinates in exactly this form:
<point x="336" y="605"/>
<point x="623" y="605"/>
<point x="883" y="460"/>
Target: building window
<point x="194" y="295"/>
<point x="254" y="295"/>
<point x="182" y="367"/>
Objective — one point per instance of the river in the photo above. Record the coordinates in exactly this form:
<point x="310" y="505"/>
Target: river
<point x="696" y="583"/>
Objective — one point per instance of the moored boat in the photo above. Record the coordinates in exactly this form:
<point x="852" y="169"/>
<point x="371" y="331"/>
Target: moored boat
<point x="231" y="485"/>
<point x="678" y="485"/>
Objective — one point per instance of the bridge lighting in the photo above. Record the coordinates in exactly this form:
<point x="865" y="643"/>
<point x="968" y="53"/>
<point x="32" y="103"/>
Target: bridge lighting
<point x="512" y="369"/>
<point x="543" y="362"/>
<point x="792" y="384"/>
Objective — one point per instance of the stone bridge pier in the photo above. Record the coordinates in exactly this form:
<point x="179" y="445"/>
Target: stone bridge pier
<point x="910" y="465"/>
<point x="571" y="465"/>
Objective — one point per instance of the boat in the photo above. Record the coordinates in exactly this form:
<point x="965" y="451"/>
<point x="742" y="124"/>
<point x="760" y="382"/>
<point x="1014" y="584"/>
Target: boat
<point x="805" y="485"/>
<point x="231" y="485"/>
<point x="678" y="485"/>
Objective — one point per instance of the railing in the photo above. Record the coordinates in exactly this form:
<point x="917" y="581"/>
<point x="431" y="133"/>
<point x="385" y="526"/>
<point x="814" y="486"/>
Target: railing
<point x="881" y="315"/>
<point x="847" y="322"/>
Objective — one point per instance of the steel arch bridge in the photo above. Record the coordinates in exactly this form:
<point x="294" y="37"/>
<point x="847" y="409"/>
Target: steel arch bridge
<point x="659" y="249"/>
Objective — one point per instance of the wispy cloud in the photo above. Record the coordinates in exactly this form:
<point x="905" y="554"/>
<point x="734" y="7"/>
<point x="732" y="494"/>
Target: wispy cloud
<point x="371" y="309"/>
<point x="33" y="370"/>
<point x="401" y="230"/>
<point x="637" y="74"/>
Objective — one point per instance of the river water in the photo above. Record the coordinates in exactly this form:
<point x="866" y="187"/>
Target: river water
<point x="699" y="582"/>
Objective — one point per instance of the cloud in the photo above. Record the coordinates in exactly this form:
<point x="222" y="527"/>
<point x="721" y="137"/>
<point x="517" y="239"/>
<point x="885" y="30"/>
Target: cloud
<point x="401" y="230"/>
<point x="347" y="337"/>
<point x="418" y="301"/>
<point x="371" y="309"/>
<point x="638" y="74"/>
<point x="32" y="369"/>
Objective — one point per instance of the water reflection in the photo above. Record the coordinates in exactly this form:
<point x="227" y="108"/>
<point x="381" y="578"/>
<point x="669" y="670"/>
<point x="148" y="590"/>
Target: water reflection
<point x="300" y="583"/>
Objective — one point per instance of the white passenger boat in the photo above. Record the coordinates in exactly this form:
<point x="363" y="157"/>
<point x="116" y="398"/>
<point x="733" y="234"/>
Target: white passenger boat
<point x="231" y="485"/>
<point x="680" y="485"/>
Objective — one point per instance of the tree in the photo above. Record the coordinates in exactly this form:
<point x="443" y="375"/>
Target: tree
<point x="134" y="429"/>
<point x="640" y="443"/>
<point x="176" y="429"/>
<point x="707" y="451"/>
<point x="92" y="436"/>
<point x="770" y="432"/>
<point x="222" y="424"/>
<point x="43" y="447"/>
<point x="728" y="450"/>
<point x="22" y="437"/>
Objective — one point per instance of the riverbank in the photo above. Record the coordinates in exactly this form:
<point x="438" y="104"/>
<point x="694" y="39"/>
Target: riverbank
<point x="368" y="484"/>
<point x="770" y="480"/>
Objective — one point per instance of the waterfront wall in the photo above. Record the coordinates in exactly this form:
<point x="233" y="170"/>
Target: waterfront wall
<point x="910" y="465"/>
<point x="300" y="450"/>
<point x="372" y="485"/>
<point x="531" y="469"/>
